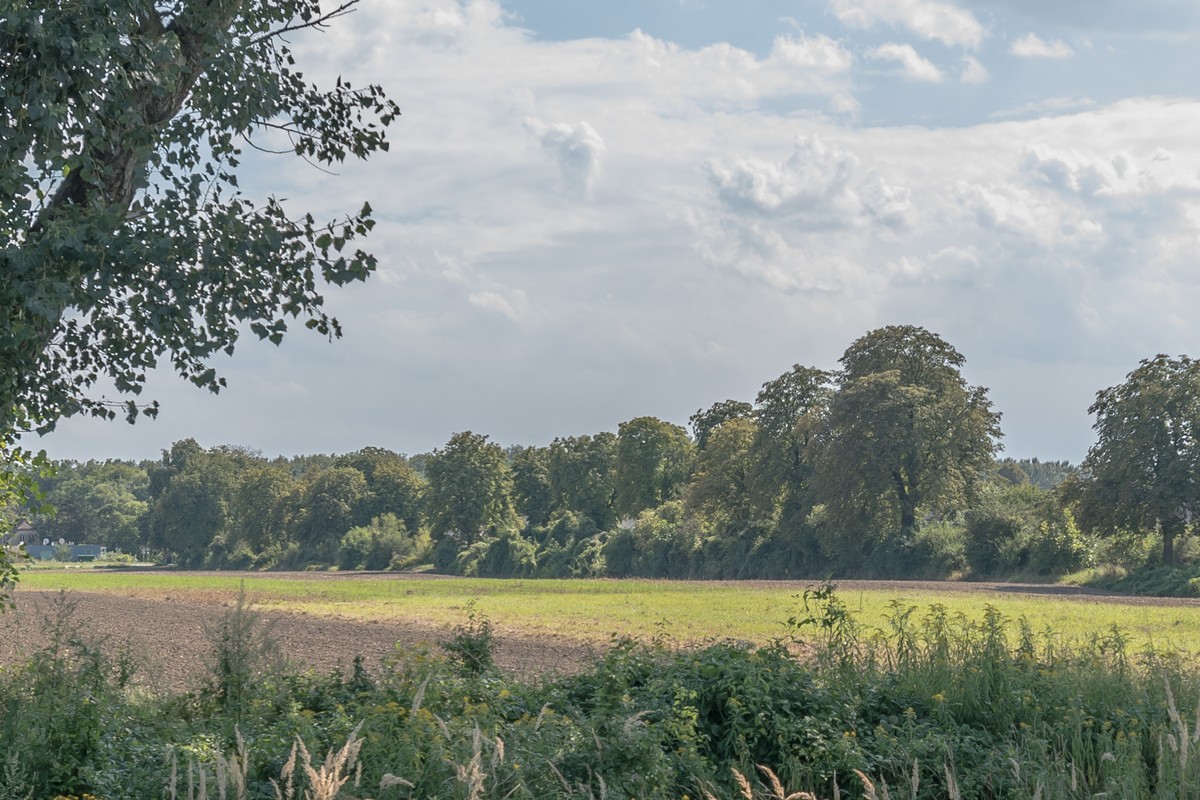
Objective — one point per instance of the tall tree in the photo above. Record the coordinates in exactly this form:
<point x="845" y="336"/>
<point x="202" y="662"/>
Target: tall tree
<point x="787" y="412"/>
<point x="334" y="502"/>
<point x="1143" y="472"/>
<point x="705" y="421"/>
<point x="185" y="513"/>
<point x="905" y="432"/>
<point x="721" y="485"/>
<point x="257" y="507"/>
<point x="97" y="503"/>
<point x="470" y="489"/>
<point x="582" y="472"/>
<point x="531" y="484"/>
<point x="190" y="493"/>
<point x="393" y="487"/>
<point x="124" y="236"/>
<point x="654" y="459"/>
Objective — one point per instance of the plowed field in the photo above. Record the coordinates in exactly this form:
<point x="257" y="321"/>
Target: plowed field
<point x="170" y="640"/>
<point x="167" y="631"/>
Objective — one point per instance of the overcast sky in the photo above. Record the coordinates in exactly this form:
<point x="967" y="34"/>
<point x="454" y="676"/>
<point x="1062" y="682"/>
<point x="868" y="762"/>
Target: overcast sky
<point x="593" y="211"/>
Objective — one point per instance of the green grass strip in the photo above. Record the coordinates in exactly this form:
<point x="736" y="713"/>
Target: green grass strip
<point x="598" y="610"/>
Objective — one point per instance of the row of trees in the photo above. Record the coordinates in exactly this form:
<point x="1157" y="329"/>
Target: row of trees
<point x="887" y="466"/>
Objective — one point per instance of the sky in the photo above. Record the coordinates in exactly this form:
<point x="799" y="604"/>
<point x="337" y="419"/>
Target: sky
<point x="593" y="211"/>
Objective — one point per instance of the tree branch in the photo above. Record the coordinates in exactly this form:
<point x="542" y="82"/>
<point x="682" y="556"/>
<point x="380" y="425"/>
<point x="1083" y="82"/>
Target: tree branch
<point x="319" y="22"/>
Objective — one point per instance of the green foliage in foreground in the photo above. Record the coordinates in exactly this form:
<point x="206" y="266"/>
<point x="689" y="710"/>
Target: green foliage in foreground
<point x="933" y="705"/>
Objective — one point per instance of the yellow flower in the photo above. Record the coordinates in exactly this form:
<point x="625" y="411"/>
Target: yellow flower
<point x="938" y="698"/>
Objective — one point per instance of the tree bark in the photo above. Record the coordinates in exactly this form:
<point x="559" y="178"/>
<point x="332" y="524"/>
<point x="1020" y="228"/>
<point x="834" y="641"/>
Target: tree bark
<point x="908" y="511"/>
<point x="1171" y="530"/>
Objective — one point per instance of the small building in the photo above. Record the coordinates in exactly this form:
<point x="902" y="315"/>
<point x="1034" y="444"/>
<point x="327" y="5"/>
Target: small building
<point x="87" y="552"/>
<point x="23" y="533"/>
<point x="79" y="552"/>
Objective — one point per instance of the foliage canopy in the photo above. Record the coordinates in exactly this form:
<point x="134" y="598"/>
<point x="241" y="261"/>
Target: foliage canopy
<point x="125" y="237"/>
<point x="1143" y="473"/>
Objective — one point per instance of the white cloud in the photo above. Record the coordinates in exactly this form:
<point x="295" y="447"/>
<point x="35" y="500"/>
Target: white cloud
<point x="884" y="202"/>
<point x="577" y="149"/>
<point x="819" y="53"/>
<point x="932" y="20"/>
<point x="915" y="67"/>
<point x="1074" y="172"/>
<point x="513" y="305"/>
<point x="1053" y="106"/>
<point x="973" y="72"/>
<point x="1032" y="46"/>
<point x="811" y="186"/>
<point x="786" y="224"/>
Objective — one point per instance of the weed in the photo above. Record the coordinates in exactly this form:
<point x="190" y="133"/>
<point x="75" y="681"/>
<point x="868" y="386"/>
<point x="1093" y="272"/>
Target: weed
<point x="473" y="645"/>
<point x="243" y="650"/>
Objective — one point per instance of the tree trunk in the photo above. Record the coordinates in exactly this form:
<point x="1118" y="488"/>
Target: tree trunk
<point x="908" y="510"/>
<point x="1170" y="529"/>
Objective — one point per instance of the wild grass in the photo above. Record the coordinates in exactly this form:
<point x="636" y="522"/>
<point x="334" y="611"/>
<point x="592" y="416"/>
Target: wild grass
<point x="930" y="704"/>
<point x="593" y="611"/>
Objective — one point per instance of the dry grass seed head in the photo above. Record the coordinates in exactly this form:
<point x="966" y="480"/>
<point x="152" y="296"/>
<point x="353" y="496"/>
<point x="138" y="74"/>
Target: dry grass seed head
<point x="777" y="790"/>
<point x="868" y="786"/>
<point x="633" y="722"/>
<point x="287" y="775"/>
<point x="326" y="781"/>
<point x="419" y="697"/>
<point x="773" y="782"/>
<point x="389" y="780"/>
<point x="174" y="777"/>
<point x="952" y="785"/>
<point x="743" y="784"/>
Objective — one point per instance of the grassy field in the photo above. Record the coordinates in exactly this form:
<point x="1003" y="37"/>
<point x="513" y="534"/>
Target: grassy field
<point x="596" y="611"/>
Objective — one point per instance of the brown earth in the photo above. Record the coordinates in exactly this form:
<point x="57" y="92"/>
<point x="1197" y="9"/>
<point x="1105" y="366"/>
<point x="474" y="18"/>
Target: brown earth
<point x="171" y="641"/>
<point x="169" y="636"/>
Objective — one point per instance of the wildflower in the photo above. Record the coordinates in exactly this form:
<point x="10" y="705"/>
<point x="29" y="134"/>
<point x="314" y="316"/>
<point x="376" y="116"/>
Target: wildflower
<point x="938" y="698"/>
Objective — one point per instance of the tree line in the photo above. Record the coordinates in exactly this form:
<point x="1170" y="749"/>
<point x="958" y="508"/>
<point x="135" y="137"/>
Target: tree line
<point x="887" y="466"/>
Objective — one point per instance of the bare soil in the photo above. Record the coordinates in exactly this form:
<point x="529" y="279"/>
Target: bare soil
<point x="171" y="640"/>
<point x="170" y="637"/>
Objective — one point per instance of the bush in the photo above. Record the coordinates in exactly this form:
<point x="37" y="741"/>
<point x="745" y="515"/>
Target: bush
<point x="1058" y="546"/>
<point x="473" y="645"/>
<point x="55" y="711"/>
<point x="377" y="545"/>
<point x="992" y="543"/>
<point x="940" y="548"/>
<point x="507" y="555"/>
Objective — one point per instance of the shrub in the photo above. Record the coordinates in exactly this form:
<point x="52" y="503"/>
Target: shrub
<point x="244" y="651"/>
<point x="940" y="549"/>
<point x="54" y="711"/>
<point x="377" y="545"/>
<point x="992" y="543"/>
<point x="506" y="555"/>
<point x="1058" y="546"/>
<point x="473" y="645"/>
